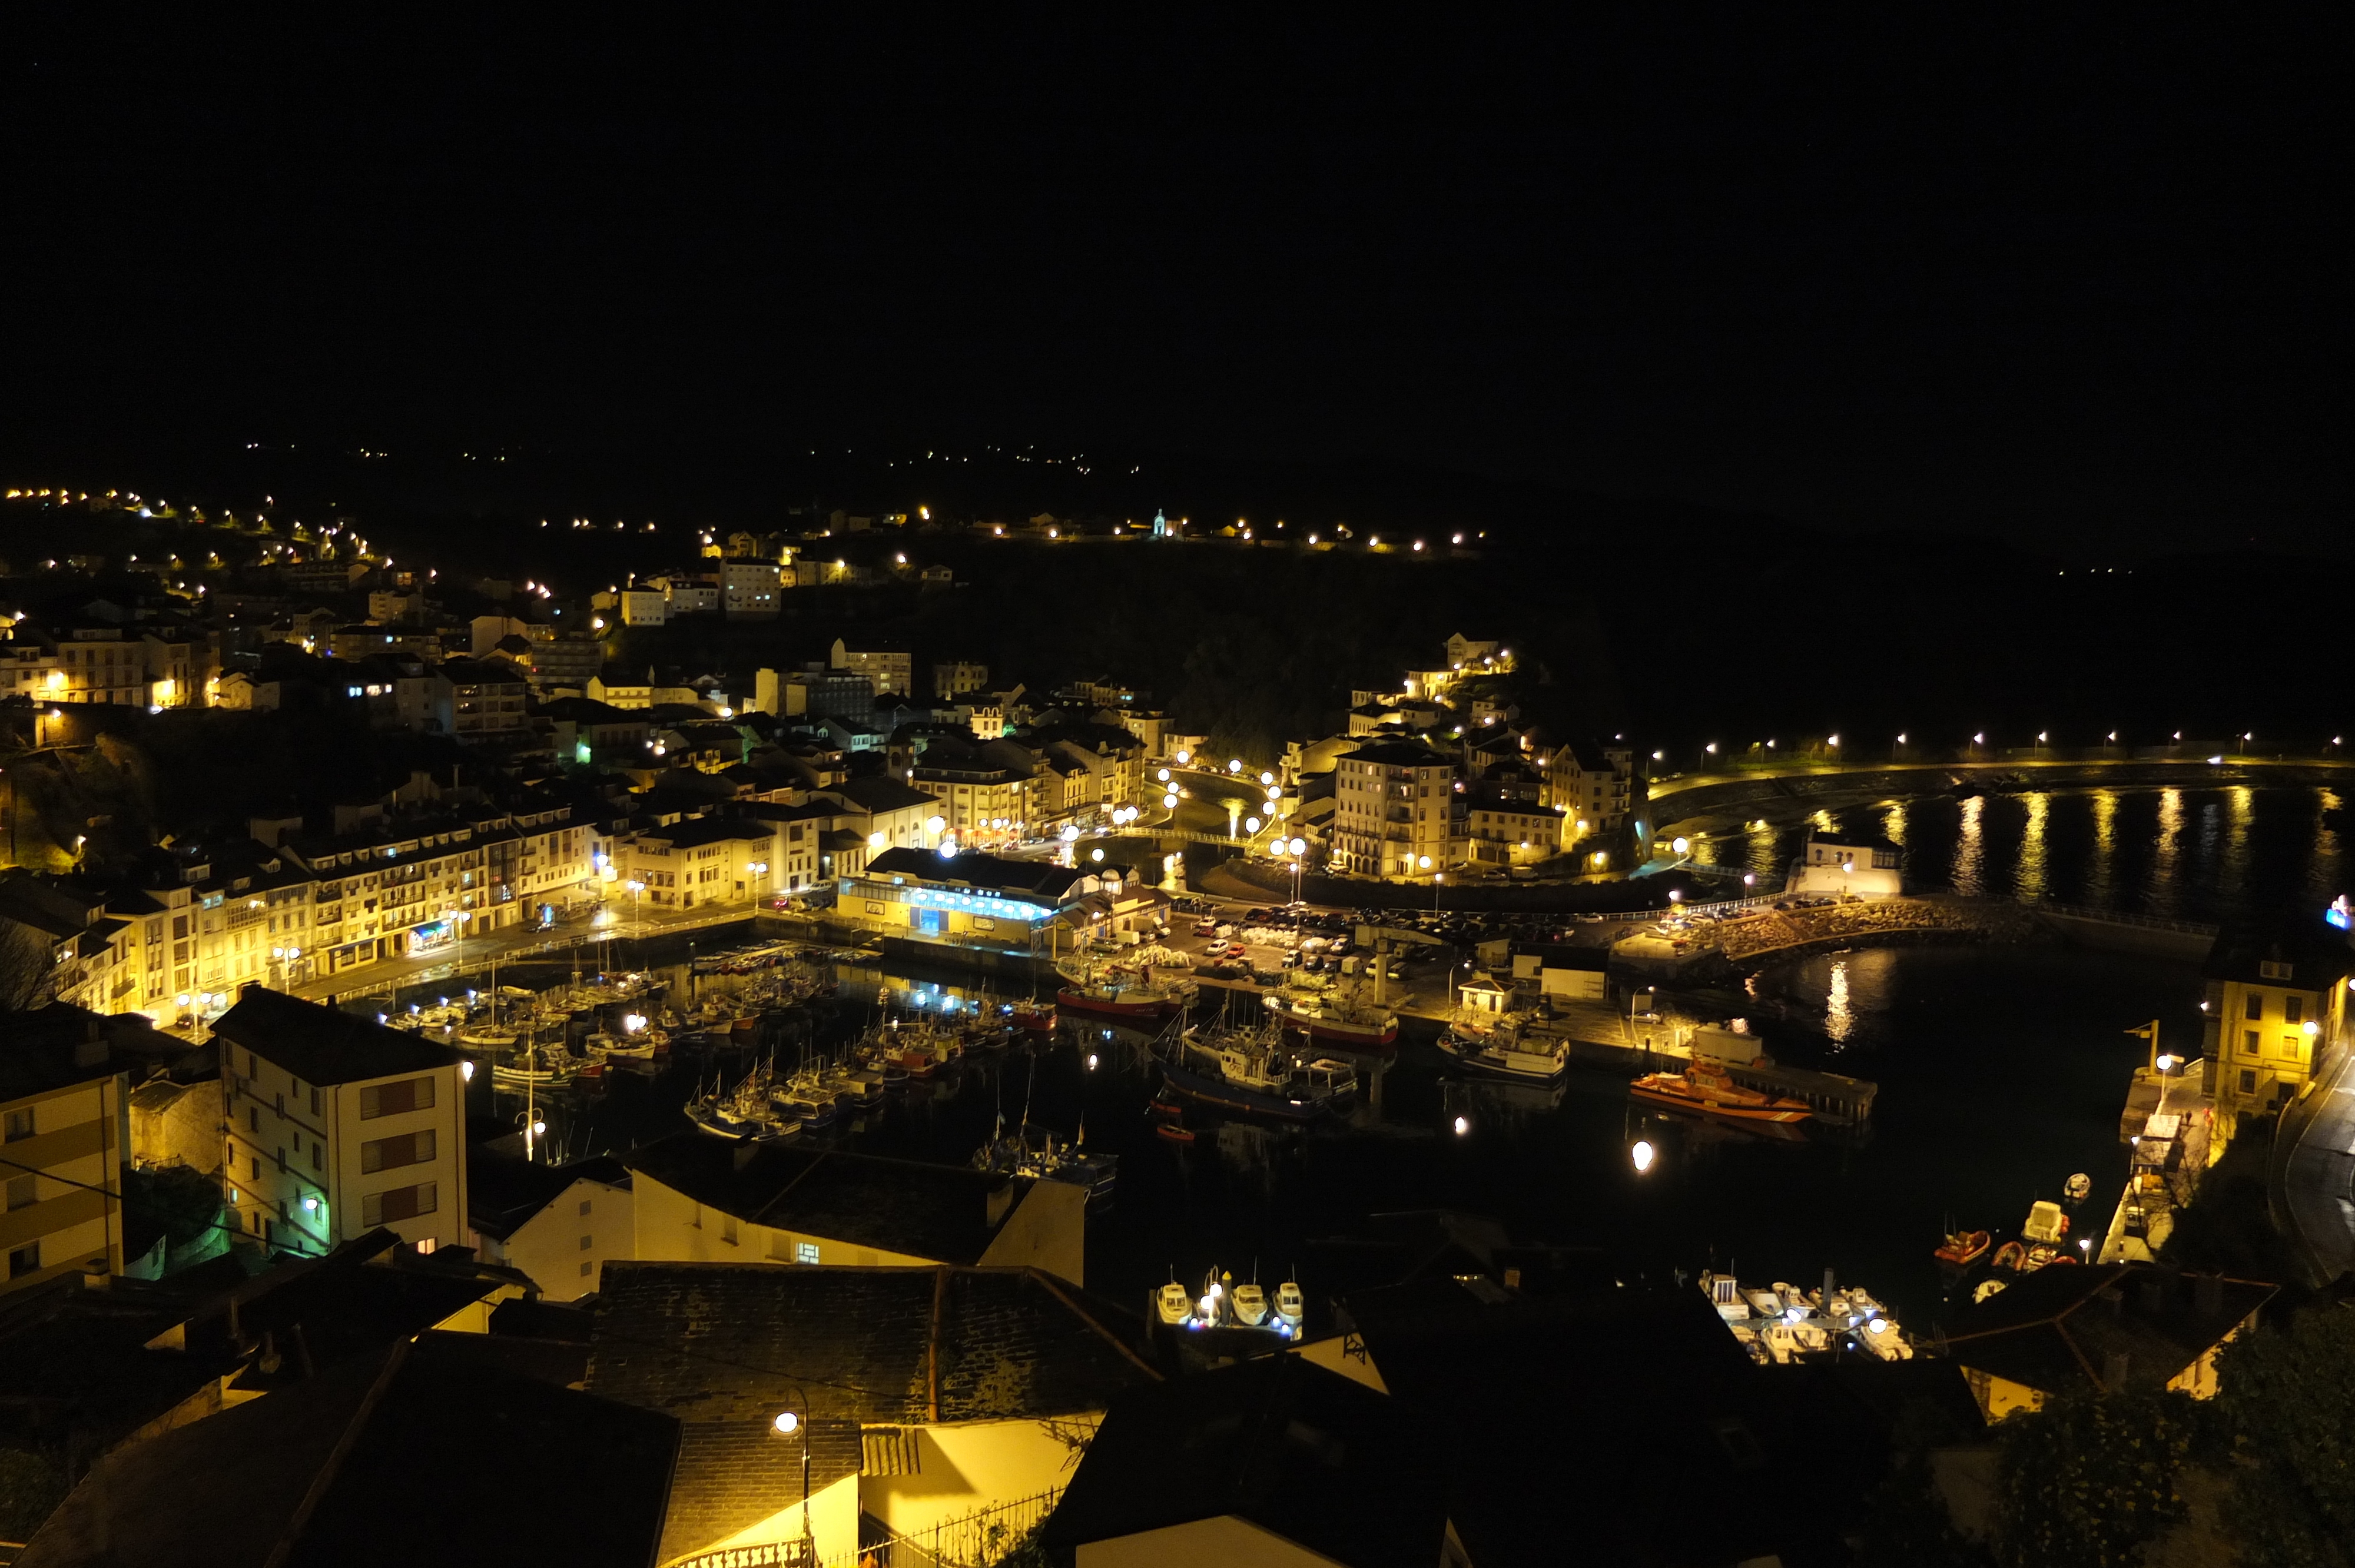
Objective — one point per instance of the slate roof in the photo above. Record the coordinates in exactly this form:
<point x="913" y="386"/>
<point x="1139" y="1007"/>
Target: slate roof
<point x="1398" y="753"/>
<point x="2318" y="954"/>
<point x="1539" y="1413"/>
<point x="1051" y="881"/>
<point x="368" y="1464"/>
<point x="503" y="1192"/>
<point x="321" y="1044"/>
<point x="1299" y="1451"/>
<point x="2060" y="1327"/>
<point x="734" y="1343"/>
<point x="731" y="1475"/>
<point x="936" y="1212"/>
<point x="881" y="794"/>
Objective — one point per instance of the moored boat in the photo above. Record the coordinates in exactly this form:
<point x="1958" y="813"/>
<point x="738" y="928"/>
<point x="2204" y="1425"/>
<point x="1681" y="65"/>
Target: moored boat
<point x="1703" y="1088"/>
<point x="1509" y="1053"/>
<point x="1964" y="1249"/>
<point x="1338" y="1018"/>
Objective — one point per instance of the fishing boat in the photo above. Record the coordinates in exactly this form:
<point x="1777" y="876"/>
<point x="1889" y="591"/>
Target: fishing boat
<point x="1703" y="1088"/>
<point x="1964" y="1249"/>
<point x="1246" y="1070"/>
<point x="1340" y="1018"/>
<point x="1036" y="1154"/>
<point x="533" y="1066"/>
<point x="1036" y="1017"/>
<point x="1507" y="1052"/>
<point x="2078" y="1188"/>
<point x="1173" y="1132"/>
<point x="1290" y="1307"/>
<point x="1172" y="1305"/>
<point x="1115" y="992"/>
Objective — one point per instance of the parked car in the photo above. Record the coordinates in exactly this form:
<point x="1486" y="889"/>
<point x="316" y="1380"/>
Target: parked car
<point x="1207" y="928"/>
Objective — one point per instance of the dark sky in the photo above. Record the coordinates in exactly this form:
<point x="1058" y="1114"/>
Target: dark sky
<point x="2044" y="274"/>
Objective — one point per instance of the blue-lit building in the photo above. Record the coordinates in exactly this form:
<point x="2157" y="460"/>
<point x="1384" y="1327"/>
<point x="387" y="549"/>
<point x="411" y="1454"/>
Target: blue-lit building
<point x="983" y="901"/>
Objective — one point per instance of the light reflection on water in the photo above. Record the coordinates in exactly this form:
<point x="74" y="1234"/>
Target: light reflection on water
<point x="2031" y="878"/>
<point x="1839" y="1019"/>
<point x="2200" y="854"/>
<point x="1971" y="849"/>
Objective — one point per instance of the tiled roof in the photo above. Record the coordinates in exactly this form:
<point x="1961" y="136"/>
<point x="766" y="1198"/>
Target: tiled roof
<point x="322" y="1045"/>
<point x="1398" y="753"/>
<point x="738" y="1342"/>
<point x="881" y="794"/>
<point x="1038" y="876"/>
<point x="732" y="1475"/>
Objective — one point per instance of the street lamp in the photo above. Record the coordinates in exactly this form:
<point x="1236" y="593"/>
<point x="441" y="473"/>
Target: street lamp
<point x="791" y="1422"/>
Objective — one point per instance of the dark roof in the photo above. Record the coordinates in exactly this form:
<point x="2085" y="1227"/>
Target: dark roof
<point x="1398" y="753"/>
<point x="880" y="793"/>
<point x="694" y="833"/>
<point x="503" y="1192"/>
<point x="1679" y="1449"/>
<point x="322" y="1045"/>
<point x="2316" y="953"/>
<point x="1300" y="1452"/>
<point x="2062" y="1326"/>
<point x="321" y="1469"/>
<point x="935" y="1212"/>
<point x="1852" y="841"/>
<point x="1049" y="881"/>
<point x="1566" y="955"/>
<point x="479" y="672"/>
<point x="55" y="1047"/>
<point x="735" y="1341"/>
<point x="731" y="1475"/>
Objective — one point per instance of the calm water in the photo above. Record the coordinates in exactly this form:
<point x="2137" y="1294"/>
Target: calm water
<point x="2002" y="1071"/>
<point x="2193" y="854"/>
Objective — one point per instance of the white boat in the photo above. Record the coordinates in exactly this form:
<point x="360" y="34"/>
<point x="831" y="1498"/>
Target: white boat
<point x="1782" y="1323"/>
<point x="1507" y="1051"/>
<point x="1251" y="1305"/>
<point x="1173" y="1304"/>
<point x="1289" y="1306"/>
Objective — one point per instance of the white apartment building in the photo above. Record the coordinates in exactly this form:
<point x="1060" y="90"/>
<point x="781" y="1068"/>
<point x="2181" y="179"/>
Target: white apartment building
<point x="1395" y="811"/>
<point x="62" y="1132"/>
<point x="748" y="589"/>
<point x="336" y="1126"/>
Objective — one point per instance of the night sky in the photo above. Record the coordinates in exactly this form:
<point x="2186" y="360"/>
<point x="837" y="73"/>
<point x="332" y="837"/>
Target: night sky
<point x="2065" y="277"/>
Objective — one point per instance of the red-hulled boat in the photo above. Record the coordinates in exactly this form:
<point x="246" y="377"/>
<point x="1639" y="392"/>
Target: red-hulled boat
<point x="1038" y="1017"/>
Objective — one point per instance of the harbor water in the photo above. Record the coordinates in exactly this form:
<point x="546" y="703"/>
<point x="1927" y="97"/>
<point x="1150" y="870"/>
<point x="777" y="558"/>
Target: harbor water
<point x="2001" y="1069"/>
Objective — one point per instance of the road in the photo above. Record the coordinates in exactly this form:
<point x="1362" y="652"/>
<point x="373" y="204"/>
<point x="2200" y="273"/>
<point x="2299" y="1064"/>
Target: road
<point x="2317" y="1177"/>
<point x="476" y="954"/>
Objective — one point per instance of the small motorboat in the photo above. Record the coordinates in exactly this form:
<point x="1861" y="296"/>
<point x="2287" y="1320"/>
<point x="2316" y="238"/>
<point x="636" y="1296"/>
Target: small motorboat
<point x="2045" y="1223"/>
<point x="2078" y="1188"/>
<point x="1289" y="1305"/>
<point x="1161" y="1106"/>
<point x="2011" y="1255"/>
<point x="1987" y="1288"/>
<point x="1251" y="1304"/>
<point x="1173" y="1304"/>
<point x="1175" y="1132"/>
<point x="1964" y="1249"/>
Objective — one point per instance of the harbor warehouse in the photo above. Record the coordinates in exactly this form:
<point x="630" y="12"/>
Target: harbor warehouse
<point x="980" y="900"/>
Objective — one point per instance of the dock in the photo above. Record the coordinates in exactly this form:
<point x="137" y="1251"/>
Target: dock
<point x="2167" y="1122"/>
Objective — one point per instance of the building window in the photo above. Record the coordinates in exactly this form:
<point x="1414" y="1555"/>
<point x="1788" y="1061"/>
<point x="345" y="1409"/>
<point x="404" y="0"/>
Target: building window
<point x="393" y="1100"/>
<point x="2257" y="1008"/>
<point x="397" y="1203"/>
<point x="317" y="1161"/>
<point x="315" y="1102"/>
<point x="805" y="1251"/>
<point x="585" y="1266"/>
<point x="22" y="1191"/>
<point x="2293" y="1009"/>
<point x="402" y="1149"/>
<point x="727" y="1229"/>
<point x="25" y="1260"/>
<point x="2248" y="1083"/>
<point x="2272" y="969"/>
<point x="2249" y="1042"/>
<point x="21" y="1125"/>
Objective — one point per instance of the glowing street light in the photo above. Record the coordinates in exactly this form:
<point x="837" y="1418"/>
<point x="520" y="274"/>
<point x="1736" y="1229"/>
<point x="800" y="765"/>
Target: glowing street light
<point x="1642" y="1154"/>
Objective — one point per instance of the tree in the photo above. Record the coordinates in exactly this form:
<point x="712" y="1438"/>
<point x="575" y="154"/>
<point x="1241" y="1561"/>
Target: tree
<point x="2088" y="1479"/>
<point x="28" y="970"/>
<point x="31" y="1487"/>
<point x="2287" y="1398"/>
